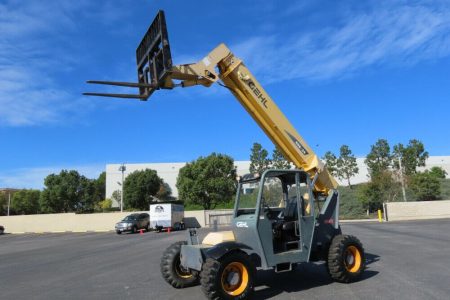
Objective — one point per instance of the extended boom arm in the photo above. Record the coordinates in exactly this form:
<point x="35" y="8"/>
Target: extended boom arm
<point x="221" y="64"/>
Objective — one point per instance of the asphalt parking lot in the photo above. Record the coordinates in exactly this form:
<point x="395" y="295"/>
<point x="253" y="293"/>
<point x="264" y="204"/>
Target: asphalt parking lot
<point x="405" y="260"/>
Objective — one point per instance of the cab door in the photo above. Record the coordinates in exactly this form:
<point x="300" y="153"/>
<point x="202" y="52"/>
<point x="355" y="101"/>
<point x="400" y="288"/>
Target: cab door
<point x="306" y="212"/>
<point x="279" y="195"/>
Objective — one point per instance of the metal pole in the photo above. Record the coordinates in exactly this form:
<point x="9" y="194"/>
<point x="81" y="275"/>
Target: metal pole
<point x="9" y="200"/>
<point x="401" y="179"/>
<point x="122" y="169"/>
<point x="121" y="195"/>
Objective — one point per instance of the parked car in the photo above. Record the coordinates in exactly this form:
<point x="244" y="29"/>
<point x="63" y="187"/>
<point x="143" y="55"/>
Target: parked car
<point x="2" y="229"/>
<point x="134" y="222"/>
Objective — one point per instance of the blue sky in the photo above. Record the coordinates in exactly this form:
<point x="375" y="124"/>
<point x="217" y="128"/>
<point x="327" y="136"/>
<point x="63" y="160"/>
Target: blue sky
<point x="344" y="73"/>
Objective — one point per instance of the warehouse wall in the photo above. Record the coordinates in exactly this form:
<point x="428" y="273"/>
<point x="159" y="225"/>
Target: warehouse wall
<point x="167" y="171"/>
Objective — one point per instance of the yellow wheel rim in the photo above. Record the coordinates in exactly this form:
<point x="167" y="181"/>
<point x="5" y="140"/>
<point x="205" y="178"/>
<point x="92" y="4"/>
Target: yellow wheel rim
<point x="234" y="278"/>
<point x="180" y="271"/>
<point x="352" y="259"/>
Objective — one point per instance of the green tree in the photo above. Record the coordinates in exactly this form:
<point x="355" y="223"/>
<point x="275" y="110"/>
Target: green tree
<point x="139" y="189"/>
<point x="379" y="159"/>
<point x="25" y="202"/>
<point x="382" y="188"/>
<point x="412" y="156"/>
<point x="104" y="205"/>
<point x="331" y="161"/>
<point x="100" y="187"/>
<point x="67" y="191"/>
<point x="207" y="181"/>
<point x="438" y="172"/>
<point x="343" y="167"/>
<point x="279" y="161"/>
<point x="425" y="186"/>
<point x="117" y="196"/>
<point x="346" y="164"/>
<point x="259" y="161"/>
<point x="350" y="206"/>
<point x="164" y="192"/>
<point x="3" y="204"/>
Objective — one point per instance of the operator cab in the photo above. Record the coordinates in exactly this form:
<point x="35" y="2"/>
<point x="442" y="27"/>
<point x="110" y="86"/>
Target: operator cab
<point x="277" y="199"/>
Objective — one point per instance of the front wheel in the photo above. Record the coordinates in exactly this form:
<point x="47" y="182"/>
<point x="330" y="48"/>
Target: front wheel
<point x="172" y="270"/>
<point x="231" y="277"/>
<point x="346" y="261"/>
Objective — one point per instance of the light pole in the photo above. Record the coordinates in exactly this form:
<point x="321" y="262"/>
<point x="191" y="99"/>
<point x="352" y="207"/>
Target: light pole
<point x="122" y="169"/>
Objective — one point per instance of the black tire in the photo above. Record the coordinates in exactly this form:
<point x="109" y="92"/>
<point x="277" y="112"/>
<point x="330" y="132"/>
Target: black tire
<point x="215" y="285"/>
<point x="346" y="261"/>
<point x="172" y="271"/>
<point x="119" y="232"/>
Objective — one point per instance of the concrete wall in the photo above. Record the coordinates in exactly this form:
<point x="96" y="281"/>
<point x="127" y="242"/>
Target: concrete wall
<point x="62" y="222"/>
<point x="88" y="222"/>
<point x="397" y="211"/>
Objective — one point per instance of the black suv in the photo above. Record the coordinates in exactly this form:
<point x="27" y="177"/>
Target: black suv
<point x="133" y="223"/>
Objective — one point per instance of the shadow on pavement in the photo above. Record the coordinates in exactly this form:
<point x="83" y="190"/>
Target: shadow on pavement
<point x="304" y="277"/>
<point x="371" y="258"/>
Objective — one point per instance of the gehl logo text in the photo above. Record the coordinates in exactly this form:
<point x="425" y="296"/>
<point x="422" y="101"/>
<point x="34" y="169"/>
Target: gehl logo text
<point x="252" y="86"/>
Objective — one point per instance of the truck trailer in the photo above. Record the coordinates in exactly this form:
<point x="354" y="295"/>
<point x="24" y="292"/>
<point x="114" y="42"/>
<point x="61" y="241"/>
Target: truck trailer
<point x="164" y="216"/>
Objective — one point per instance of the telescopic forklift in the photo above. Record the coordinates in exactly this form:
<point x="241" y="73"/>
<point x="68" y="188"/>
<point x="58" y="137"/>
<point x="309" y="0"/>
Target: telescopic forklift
<point x="281" y="218"/>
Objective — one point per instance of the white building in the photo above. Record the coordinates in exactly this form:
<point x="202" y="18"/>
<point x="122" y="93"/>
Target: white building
<point x="169" y="172"/>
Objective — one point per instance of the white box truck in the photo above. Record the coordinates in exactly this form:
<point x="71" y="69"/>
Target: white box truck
<point x="166" y="215"/>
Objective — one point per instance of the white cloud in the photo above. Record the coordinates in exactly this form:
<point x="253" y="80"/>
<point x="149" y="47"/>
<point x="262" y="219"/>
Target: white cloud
<point x="36" y="52"/>
<point x="393" y="34"/>
<point x="34" y="177"/>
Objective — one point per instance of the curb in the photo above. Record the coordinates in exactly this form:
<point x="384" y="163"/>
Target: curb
<point x="59" y="231"/>
<point x="359" y="221"/>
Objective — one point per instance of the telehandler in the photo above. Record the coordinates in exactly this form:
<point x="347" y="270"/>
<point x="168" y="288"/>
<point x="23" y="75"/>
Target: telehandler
<point x="281" y="218"/>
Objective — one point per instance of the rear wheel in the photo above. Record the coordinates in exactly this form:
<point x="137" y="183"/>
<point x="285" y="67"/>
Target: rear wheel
<point x="231" y="277"/>
<point x="346" y="260"/>
<point x="172" y="270"/>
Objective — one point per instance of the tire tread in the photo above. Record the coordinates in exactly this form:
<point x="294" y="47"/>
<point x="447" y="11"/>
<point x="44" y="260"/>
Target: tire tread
<point x="167" y="272"/>
<point x="335" y="264"/>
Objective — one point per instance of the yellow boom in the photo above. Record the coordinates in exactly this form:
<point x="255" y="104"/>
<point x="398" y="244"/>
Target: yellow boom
<point x="257" y="102"/>
<point x="155" y="71"/>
